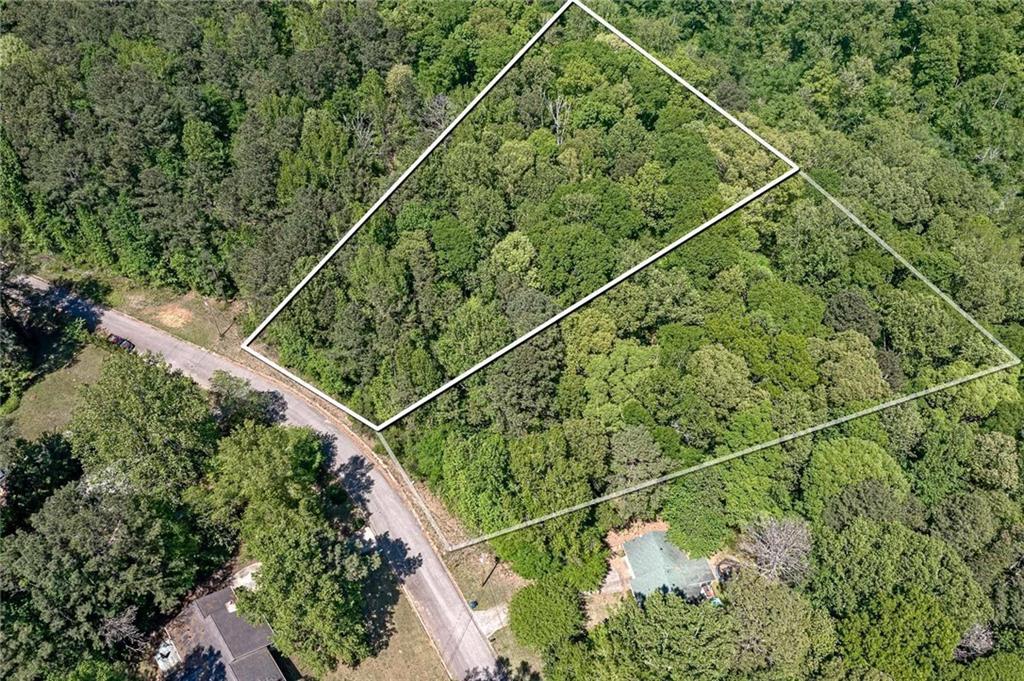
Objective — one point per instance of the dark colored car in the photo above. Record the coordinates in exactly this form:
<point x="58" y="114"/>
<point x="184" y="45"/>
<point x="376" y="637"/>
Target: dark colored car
<point x="122" y="343"/>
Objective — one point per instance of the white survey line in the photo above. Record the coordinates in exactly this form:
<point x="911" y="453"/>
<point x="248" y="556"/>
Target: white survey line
<point x="704" y="98"/>
<point x="536" y="330"/>
<point x="416" y="164"/>
<point x="793" y="169"/>
<point x="589" y="297"/>
<point x="1012" y="362"/>
<point x="501" y="74"/>
<point x="416" y="493"/>
<point x="735" y="455"/>
<point x="903" y="261"/>
<point x="308" y="386"/>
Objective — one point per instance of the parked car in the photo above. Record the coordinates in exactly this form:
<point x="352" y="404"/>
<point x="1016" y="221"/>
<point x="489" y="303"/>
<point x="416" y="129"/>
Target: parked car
<point x="122" y="343"/>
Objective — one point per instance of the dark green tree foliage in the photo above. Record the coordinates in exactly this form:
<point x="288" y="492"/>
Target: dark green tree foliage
<point x="664" y="639"/>
<point x="546" y="613"/>
<point x="563" y="177"/>
<point x="223" y="148"/>
<point x="234" y="402"/>
<point x="885" y="583"/>
<point x="90" y="576"/>
<point x="33" y="470"/>
<point x="780" y="632"/>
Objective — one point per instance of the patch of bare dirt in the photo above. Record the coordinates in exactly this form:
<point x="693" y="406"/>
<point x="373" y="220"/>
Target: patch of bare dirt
<point x="174" y="316"/>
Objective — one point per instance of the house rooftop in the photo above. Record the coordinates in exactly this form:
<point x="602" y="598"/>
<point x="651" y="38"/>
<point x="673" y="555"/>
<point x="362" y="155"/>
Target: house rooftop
<point x="657" y="565"/>
<point x="215" y="642"/>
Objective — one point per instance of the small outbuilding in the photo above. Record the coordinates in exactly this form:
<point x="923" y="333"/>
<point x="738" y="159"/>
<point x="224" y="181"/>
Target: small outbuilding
<point x="654" y="565"/>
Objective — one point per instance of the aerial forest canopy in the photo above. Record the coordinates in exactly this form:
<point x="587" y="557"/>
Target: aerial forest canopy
<point x="224" y="147"/>
<point x="584" y="160"/>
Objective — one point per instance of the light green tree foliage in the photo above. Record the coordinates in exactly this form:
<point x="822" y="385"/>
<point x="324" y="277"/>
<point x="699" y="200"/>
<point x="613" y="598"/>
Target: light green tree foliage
<point x="546" y="613"/>
<point x="93" y="670"/>
<point x="995" y="668"/>
<point x="268" y="482"/>
<point x="721" y="379"/>
<point x="696" y="513"/>
<point x="995" y="462"/>
<point x="906" y="637"/>
<point x="257" y="464"/>
<point x="309" y="587"/>
<point x="665" y="639"/>
<point x="838" y="463"/>
<point x="474" y="331"/>
<point x="868" y="573"/>
<point x="142" y="428"/>
<point x="848" y="370"/>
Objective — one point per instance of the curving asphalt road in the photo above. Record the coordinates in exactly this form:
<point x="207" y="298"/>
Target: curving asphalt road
<point x="464" y="650"/>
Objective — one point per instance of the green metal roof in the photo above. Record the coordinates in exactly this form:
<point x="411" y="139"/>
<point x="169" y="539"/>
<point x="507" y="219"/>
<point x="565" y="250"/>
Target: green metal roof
<point x="657" y="564"/>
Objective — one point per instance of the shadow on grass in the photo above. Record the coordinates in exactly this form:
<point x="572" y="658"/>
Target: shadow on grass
<point x="380" y="600"/>
<point x="86" y="287"/>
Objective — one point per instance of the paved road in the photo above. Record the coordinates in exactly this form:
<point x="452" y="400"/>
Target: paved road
<point x="436" y="599"/>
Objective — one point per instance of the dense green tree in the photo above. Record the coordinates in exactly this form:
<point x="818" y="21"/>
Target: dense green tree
<point x="909" y="637"/>
<point x="780" y="633"/>
<point x="870" y="560"/>
<point x="257" y="464"/>
<point x="94" y="670"/>
<point x="235" y="402"/>
<point x="839" y="463"/>
<point x="994" y="668"/>
<point x="636" y="458"/>
<point x="142" y="428"/>
<point x="546" y="613"/>
<point x="664" y="640"/>
<point x="309" y="587"/>
<point x="32" y="472"/>
<point x="90" y="575"/>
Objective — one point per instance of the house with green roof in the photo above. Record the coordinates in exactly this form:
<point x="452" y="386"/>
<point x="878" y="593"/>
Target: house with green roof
<point x="654" y="564"/>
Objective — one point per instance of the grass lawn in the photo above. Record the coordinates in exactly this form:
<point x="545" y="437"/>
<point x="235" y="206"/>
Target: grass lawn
<point x="405" y="653"/>
<point x="523" y="662"/>
<point x="48" y="404"/>
<point x="470" y="568"/>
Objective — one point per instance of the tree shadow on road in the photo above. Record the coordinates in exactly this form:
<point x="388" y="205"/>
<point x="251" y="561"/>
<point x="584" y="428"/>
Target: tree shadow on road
<point x="503" y="671"/>
<point x="355" y="477"/>
<point x="396" y="553"/>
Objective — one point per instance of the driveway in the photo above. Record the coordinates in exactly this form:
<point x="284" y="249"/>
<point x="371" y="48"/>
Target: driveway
<point x="441" y="608"/>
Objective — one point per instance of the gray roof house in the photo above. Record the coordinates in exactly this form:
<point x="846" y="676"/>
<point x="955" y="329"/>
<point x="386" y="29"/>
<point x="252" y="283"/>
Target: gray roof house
<point x="215" y="643"/>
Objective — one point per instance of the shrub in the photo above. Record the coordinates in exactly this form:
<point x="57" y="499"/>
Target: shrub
<point x="546" y="613"/>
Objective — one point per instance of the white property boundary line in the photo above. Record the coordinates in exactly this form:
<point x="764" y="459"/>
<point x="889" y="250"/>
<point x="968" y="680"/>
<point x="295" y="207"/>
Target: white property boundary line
<point x="1012" y="361"/>
<point x="793" y="169"/>
<point x="736" y="455"/>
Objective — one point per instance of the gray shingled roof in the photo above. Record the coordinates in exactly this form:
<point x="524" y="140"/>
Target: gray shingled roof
<point x="258" y="665"/>
<point x="242" y="648"/>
